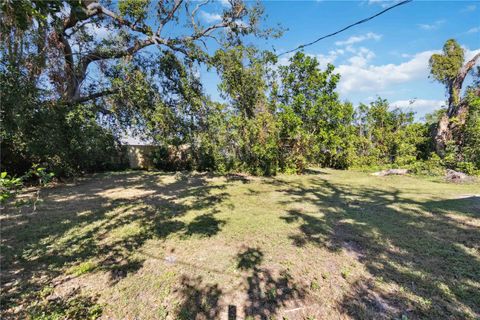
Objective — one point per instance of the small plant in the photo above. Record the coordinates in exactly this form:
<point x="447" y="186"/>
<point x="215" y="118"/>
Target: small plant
<point x="272" y="294"/>
<point x="345" y="273"/>
<point x="82" y="268"/>
<point x="162" y="313"/>
<point x="74" y="307"/>
<point x="314" y="285"/>
<point x="41" y="174"/>
<point x="467" y="167"/>
<point x="9" y="186"/>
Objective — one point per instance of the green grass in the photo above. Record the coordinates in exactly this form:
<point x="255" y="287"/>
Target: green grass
<point x="329" y="244"/>
<point x="82" y="268"/>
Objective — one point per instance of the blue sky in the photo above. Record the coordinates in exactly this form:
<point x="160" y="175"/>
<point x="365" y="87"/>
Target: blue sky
<point x="386" y="57"/>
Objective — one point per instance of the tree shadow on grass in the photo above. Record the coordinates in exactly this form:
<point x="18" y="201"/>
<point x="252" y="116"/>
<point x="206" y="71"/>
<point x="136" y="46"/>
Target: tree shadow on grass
<point x="313" y="171"/>
<point x="249" y="259"/>
<point x="73" y="306"/>
<point x="199" y="300"/>
<point x="76" y="223"/>
<point x="425" y="248"/>
<point x="266" y="292"/>
<point x="204" y="225"/>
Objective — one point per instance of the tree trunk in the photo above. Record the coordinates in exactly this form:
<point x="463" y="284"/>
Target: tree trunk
<point x="457" y="109"/>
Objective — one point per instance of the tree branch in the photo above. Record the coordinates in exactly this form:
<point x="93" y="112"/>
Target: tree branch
<point x="458" y="82"/>
<point x="97" y="8"/>
<point x="77" y="75"/>
<point x="169" y="16"/>
<point x="94" y="96"/>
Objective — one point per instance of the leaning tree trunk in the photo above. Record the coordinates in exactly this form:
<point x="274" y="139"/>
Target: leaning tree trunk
<point x="457" y="109"/>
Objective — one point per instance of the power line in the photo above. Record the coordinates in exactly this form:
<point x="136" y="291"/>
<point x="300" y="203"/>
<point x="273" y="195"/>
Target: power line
<point x="347" y="27"/>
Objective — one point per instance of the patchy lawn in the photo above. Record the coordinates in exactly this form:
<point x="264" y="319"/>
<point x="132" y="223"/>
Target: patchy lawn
<point x="326" y="245"/>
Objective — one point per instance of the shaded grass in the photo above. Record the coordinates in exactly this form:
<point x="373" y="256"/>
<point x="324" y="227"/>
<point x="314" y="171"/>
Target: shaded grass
<point x="328" y="244"/>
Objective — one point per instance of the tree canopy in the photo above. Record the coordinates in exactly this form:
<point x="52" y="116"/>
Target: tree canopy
<point x="86" y="73"/>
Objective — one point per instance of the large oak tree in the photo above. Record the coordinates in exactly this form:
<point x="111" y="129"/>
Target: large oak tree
<point x="76" y="42"/>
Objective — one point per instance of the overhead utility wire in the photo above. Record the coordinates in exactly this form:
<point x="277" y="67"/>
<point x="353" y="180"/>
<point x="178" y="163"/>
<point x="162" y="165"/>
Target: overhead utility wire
<point x="347" y="27"/>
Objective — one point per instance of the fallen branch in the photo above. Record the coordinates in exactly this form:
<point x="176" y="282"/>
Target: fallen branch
<point x="389" y="172"/>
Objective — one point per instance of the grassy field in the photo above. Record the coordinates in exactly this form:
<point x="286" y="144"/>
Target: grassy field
<point x="325" y="245"/>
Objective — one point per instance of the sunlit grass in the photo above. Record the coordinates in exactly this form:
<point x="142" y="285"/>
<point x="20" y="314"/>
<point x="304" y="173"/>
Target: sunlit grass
<point x="166" y="246"/>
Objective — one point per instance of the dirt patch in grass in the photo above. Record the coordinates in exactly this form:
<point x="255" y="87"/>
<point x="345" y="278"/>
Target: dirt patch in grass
<point x="328" y="244"/>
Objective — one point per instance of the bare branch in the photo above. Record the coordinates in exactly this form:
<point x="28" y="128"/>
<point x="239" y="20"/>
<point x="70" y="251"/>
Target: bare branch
<point x="72" y="19"/>
<point x="205" y="32"/>
<point x="194" y="12"/>
<point x="97" y="8"/>
<point x="78" y="28"/>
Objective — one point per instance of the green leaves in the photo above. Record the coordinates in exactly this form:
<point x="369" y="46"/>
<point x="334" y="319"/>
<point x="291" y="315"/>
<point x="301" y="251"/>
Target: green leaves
<point x="388" y="137"/>
<point x="135" y="10"/>
<point x="471" y="143"/>
<point x="445" y="67"/>
<point x="312" y="115"/>
<point x="8" y="186"/>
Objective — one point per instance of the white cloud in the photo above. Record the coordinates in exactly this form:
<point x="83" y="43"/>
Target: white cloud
<point x="423" y="105"/>
<point x="359" y="76"/>
<point x="323" y="59"/>
<point x="362" y="56"/>
<point x="210" y="17"/>
<point x="469" y="54"/>
<point x="469" y="8"/>
<point x="225" y="3"/>
<point x="360" y="38"/>
<point x="101" y="32"/>
<point x="383" y="3"/>
<point x="432" y="26"/>
<point x="474" y="30"/>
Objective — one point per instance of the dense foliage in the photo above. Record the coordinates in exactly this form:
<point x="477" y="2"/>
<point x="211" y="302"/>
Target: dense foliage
<point x="67" y="140"/>
<point x="388" y="137"/>
<point x="468" y="151"/>
<point x="75" y="77"/>
<point x="70" y="93"/>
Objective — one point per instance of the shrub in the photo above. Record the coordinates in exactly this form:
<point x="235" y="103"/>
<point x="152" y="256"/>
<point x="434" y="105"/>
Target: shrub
<point x="172" y="158"/>
<point x="433" y="166"/>
<point x="9" y="186"/>
<point x="467" y="167"/>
